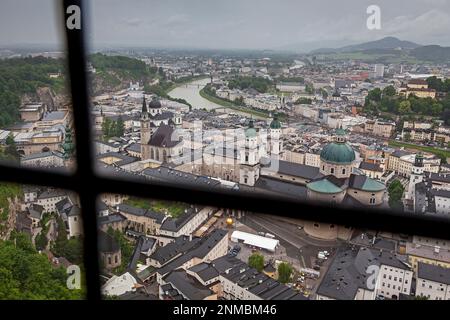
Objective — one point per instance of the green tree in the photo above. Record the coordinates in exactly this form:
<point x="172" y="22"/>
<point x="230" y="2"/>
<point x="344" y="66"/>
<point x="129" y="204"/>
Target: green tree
<point x="389" y="91"/>
<point x="41" y="240"/>
<point x="284" y="272"/>
<point x="126" y="249"/>
<point x="303" y="100"/>
<point x="374" y="95"/>
<point x="256" y="261"/>
<point x="11" y="148"/>
<point x="407" y="137"/>
<point x="120" y="127"/>
<point x="106" y="127"/>
<point x="71" y="249"/>
<point x="395" y="191"/>
<point x="309" y="88"/>
<point x="404" y="107"/>
<point x="27" y="275"/>
<point x="324" y="93"/>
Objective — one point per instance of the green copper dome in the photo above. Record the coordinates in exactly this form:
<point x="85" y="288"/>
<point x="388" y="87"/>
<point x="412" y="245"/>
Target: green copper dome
<point x="323" y="186"/>
<point x="251" y="131"/>
<point x="338" y="152"/>
<point x="275" y="124"/>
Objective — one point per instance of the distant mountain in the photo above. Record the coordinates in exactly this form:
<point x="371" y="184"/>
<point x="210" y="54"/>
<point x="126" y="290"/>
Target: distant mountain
<point x="382" y="44"/>
<point x="432" y="53"/>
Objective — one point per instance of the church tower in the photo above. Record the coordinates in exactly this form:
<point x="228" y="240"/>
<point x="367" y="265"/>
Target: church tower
<point x="275" y="145"/>
<point x="145" y="131"/>
<point x="415" y="177"/>
<point x="249" y="158"/>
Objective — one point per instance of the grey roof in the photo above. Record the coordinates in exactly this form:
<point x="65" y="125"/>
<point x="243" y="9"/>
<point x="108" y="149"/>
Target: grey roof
<point x="144" y="243"/>
<point x="400" y="153"/>
<point x="42" y="155"/>
<point x="54" y="115"/>
<point x="440" y="193"/>
<point x="279" y="187"/>
<point x="52" y="193"/>
<point x="135" y="147"/>
<point x="205" y="271"/>
<point x="179" y="246"/>
<point x="348" y="271"/>
<point x="137" y="295"/>
<point x="199" y="250"/>
<point x="124" y="159"/>
<point x="175" y="224"/>
<point x="35" y="211"/>
<point x="187" y="285"/>
<point x="125" y="208"/>
<point x="162" y="137"/>
<point x="370" y="166"/>
<point x="166" y="174"/>
<point x="255" y="282"/>
<point x="30" y="189"/>
<point x="101" y="206"/>
<point x="115" y="217"/>
<point x="298" y="170"/>
<point x="433" y="273"/>
<point x="74" y="211"/>
<point x="439" y="177"/>
<point x="106" y="243"/>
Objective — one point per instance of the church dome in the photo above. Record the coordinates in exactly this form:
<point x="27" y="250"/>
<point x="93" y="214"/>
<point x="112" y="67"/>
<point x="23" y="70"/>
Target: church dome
<point x="275" y="124"/>
<point x="338" y="152"/>
<point x="154" y="104"/>
<point x="251" y="131"/>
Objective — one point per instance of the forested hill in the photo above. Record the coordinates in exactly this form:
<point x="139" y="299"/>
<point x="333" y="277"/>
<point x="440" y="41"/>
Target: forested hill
<point x="20" y="76"/>
<point x="116" y="72"/>
<point x="23" y="76"/>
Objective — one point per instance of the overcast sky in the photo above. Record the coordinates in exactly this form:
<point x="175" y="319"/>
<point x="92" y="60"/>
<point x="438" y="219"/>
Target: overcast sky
<point x="231" y="24"/>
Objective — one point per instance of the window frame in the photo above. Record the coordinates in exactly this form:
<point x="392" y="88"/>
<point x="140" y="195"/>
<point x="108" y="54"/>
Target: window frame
<point x="89" y="184"/>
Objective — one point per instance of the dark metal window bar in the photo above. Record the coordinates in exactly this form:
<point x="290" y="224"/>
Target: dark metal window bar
<point x="89" y="184"/>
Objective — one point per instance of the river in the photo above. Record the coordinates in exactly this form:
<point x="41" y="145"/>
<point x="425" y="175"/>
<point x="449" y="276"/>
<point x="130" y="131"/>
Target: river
<point x="191" y="93"/>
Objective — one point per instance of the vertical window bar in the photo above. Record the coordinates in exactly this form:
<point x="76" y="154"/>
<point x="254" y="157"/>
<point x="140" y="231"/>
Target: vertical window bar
<point x="74" y="25"/>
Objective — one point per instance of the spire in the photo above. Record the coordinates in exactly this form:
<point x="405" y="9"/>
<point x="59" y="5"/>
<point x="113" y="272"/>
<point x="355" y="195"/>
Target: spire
<point x="144" y="105"/>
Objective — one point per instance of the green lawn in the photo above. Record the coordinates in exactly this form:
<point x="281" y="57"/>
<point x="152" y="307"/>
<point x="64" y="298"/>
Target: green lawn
<point x="441" y="153"/>
<point x="174" y="209"/>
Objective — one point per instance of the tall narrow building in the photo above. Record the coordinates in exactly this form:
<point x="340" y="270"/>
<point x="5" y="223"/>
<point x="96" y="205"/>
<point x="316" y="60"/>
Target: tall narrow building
<point x="249" y="158"/>
<point x="145" y="130"/>
<point x="415" y="178"/>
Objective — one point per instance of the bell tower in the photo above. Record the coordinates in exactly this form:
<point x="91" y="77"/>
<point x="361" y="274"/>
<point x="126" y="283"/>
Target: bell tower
<point x="249" y="158"/>
<point x="145" y="131"/>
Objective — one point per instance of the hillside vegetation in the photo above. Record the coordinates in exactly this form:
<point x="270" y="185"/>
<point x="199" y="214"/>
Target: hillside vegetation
<point x="21" y="76"/>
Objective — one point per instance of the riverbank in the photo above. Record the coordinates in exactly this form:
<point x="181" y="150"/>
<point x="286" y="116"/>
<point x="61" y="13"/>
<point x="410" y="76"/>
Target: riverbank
<point x="184" y="81"/>
<point x="441" y="153"/>
<point x="230" y="105"/>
